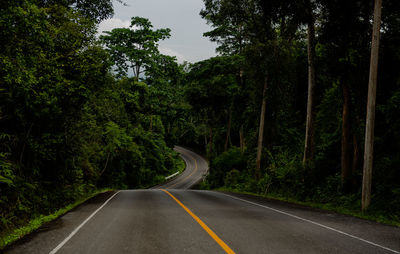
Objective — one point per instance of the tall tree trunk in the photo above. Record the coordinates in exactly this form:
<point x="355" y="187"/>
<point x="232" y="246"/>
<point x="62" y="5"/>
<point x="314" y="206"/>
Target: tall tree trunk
<point x="261" y="129"/>
<point x="105" y="166"/>
<point x="346" y="136"/>
<point x="228" y="131"/>
<point x="309" y="140"/>
<point x="356" y="159"/>
<point x="137" y="72"/>
<point x="370" y="121"/>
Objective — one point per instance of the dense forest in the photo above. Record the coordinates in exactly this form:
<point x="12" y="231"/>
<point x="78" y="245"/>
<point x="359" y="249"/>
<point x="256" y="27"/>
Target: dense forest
<point x="281" y="111"/>
<point x="70" y="122"/>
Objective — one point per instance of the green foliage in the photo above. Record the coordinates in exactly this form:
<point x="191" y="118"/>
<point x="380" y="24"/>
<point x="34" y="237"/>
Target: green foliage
<point x="226" y="163"/>
<point x="134" y="47"/>
<point x="36" y="223"/>
<point x="7" y="175"/>
<point x="286" y="172"/>
<point x="67" y="125"/>
<point x="213" y="87"/>
<point x="271" y="40"/>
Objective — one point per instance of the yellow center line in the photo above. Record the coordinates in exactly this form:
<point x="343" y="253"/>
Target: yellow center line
<point x="203" y="225"/>
<point x="195" y="169"/>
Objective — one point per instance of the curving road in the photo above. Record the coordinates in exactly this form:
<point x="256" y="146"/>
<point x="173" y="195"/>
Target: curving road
<point x="196" y="168"/>
<point x="172" y="219"/>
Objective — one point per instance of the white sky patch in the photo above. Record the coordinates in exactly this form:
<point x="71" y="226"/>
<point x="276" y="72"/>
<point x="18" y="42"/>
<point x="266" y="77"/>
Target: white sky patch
<point x="181" y="16"/>
<point x="170" y="52"/>
<point x="110" y="24"/>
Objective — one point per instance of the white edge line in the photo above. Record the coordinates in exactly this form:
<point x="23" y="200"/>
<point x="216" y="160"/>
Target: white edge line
<point x="60" y="245"/>
<point x="174" y="174"/>
<point x="178" y="181"/>
<point x="313" y="222"/>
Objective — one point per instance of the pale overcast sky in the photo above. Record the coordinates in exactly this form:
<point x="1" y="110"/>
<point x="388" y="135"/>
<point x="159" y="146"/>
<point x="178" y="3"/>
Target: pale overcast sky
<point x="181" y="16"/>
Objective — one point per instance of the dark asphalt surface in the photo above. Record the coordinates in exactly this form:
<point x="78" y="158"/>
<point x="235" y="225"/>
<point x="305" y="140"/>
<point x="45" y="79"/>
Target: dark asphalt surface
<point x="151" y="221"/>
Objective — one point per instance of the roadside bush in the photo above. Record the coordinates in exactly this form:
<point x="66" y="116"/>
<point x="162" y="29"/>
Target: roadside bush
<point x="232" y="178"/>
<point x="224" y="163"/>
<point x="285" y="174"/>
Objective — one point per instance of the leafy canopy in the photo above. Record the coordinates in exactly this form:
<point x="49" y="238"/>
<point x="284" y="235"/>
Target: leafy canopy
<point x="135" y="47"/>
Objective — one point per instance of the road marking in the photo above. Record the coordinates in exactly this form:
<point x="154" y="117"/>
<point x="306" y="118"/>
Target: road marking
<point x="59" y="246"/>
<point x="203" y="225"/>
<point x="313" y="222"/>
<point x="170" y="176"/>
<point x="179" y="181"/>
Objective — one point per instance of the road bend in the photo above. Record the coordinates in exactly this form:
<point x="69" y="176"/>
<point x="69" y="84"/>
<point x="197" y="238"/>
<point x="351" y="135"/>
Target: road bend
<point x="172" y="218"/>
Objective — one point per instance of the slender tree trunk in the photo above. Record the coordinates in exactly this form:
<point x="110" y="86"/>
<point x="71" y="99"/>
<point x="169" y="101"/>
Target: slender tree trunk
<point x="210" y="143"/>
<point x="309" y="140"/>
<point x="241" y="134"/>
<point x="261" y="129"/>
<point x="370" y="121"/>
<point x="346" y="136"/>
<point x="205" y="138"/>
<point x="137" y="72"/>
<point x="228" y="131"/>
<point x="356" y="158"/>
<point x="105" y="166"/>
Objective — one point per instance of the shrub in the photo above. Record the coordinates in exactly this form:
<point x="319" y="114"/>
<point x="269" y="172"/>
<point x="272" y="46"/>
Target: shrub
<point x="224" y="163"/>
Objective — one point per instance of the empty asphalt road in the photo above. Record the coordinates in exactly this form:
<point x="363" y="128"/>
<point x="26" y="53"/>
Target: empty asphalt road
<point x="172" y="219"/>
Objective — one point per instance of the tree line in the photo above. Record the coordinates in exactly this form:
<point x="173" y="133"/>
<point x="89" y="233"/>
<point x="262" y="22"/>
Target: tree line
<point x="72" y="119"/>
<point x="280" y="111"/>
<point x="283" y="108"/>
